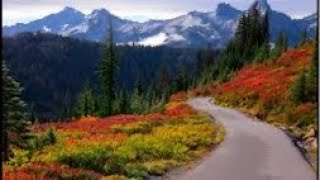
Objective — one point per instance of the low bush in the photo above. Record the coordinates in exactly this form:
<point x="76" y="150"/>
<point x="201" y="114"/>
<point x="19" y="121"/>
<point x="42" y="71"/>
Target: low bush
<point x="50" y="171"/>
<point x="136" y="128"/>
<point x="94" y="158"/>
<point x="44" y="139"/>
<point x="126" y="146"/>
<point x="136" y="171"/>
<point x="160" y="167"/>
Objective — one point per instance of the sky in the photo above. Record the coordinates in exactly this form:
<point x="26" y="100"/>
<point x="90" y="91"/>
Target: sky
<point x="14" y="11"/>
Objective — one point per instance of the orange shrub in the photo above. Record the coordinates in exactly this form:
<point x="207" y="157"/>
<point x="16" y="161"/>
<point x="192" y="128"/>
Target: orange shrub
<point x="271" y="81"/>
<point x="304" y="109"/>
<point x="179" y="96"/>
<point x="180" y="110"/>
<point x="96" y="125"/>
<point x="210" y="89"/>
<point x="17" y="175"/>
<point x="43" y="171"/>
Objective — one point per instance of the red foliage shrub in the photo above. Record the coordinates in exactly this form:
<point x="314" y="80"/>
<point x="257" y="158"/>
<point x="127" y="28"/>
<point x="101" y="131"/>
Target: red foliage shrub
<point x="18" y="175"/>
<point x="178" y="97"/>
<point x="210" y="89"/>
<point x="304" y="108"/>
<point x="43" y="171"/>
<point x="96" y="137"/>
<point x="270" y="80"/>
<point x="101" y="125"/>
<point x="180" y="110"/>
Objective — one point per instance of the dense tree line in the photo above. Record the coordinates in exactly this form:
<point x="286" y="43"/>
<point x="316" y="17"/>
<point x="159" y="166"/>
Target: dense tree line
<point x="251" y="43"/>
<point x="53" y="70"/>
<point x="127" y="79"/>
<point x="141" y="99"/>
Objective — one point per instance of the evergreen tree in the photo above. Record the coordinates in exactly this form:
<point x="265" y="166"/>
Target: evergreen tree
<point x="14" y="113"/>
<point x="205" y="58"/>
<point x="285" y="42"/>
<point x="180" y="81"/>
<point x="124" y="102"/>
<point x="107" y="75"/>
<point x="138" y="87"/>
<point x="281" y="45"/>
<point x="265" y="28"/>
<point x="136" y="100"/>
<point x="255" y="37"/>
<point x="302" y="38"/>
<point x="312" y="79"/>
<point x="164" y="80"/>
<point x="299" y="89"/>
<point x="241" y="36"/>
<point x="252" y="36"/>
<point x="86" y="102"/>
<point x="263" y="53"/>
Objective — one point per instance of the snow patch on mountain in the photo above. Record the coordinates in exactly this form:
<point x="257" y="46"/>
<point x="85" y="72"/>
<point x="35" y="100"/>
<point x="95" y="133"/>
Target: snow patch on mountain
<point x="82" y="28"/>
<point x="176" y="37"/>
<point x="193" y="29"/>
<point x="155" y="40"/>
<point x="64" y="27"/>
<point x="189" y="21"/>
<point x="46" y="29"/>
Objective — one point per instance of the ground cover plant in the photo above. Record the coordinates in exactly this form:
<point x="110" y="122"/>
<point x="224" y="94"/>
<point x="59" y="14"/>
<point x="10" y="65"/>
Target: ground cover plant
<point x="267" y="90"/>
<point x="280" y="90"/>
<point x="117" y="147"/>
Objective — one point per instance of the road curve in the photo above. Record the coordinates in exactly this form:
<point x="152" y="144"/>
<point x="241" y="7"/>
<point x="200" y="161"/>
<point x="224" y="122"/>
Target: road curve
<point x="251" y="150"/>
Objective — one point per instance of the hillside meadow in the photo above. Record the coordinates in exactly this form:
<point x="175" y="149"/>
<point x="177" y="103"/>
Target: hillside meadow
<point x="116" y="147"/>
<point x="266" y="91"/>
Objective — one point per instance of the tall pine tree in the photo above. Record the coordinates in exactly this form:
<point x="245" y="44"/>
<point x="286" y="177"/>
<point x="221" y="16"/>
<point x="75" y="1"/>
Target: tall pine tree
<point x="299" y="89"/>
<point x="303" y="38"/>
<point x="14" y="113"/>
<point x="281" y="45"/>
<point x="312" y="78"/>
<point x="265" y="27"/>
<point x="107" y="71"/>
<point x="86" y="102"/>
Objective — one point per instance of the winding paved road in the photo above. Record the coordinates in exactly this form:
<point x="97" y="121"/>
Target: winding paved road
<point x="251" y="150"/>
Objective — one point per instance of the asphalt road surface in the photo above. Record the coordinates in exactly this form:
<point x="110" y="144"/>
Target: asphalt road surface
<point x="251" y="150"/>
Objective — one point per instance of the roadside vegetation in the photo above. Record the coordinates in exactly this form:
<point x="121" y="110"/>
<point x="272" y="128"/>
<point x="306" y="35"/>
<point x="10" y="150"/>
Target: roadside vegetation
<point x="277" y="84"/>
<point x="117" y="147"/>
<point x="275" y="91"/>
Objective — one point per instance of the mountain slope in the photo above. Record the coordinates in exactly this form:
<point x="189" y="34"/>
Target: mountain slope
<point x="54" y="23"/>
<point x="271" y="91"/>
<point x="309" y="23"/>
<point x="193" y="29"/>
<point x="266" y="91"/>
<point x="52" y="69"/>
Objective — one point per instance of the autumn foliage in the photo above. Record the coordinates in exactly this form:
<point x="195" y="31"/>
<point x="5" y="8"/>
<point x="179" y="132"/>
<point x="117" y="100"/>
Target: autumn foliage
<point x="126" y="145"/>
<point x="45" y="171"/>
<point x="264" y="90"/>
<point x="269" y="81"/>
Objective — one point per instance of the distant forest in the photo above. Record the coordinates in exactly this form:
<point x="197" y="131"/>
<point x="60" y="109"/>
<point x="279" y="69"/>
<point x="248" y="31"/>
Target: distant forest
<point x="53" y="69"/>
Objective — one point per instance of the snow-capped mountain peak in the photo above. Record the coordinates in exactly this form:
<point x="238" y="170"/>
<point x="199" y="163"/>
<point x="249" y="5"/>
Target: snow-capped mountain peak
<point x="261" y="5"/>
<point x="192" y="29"/>
<point x="226" y="10"/>
<point x="69" y="9"/>
<point x="100" y="12"/>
